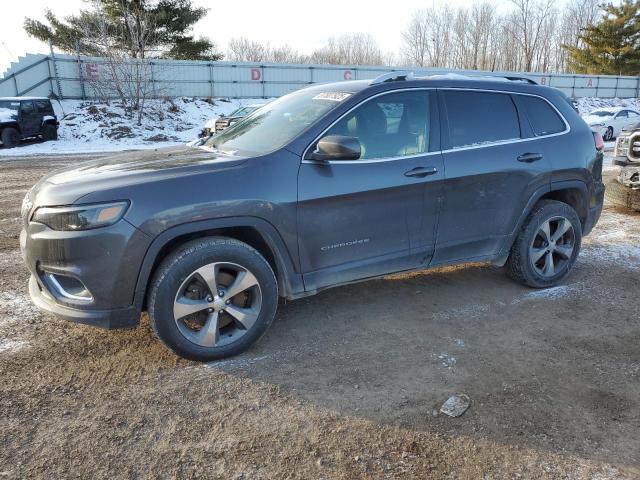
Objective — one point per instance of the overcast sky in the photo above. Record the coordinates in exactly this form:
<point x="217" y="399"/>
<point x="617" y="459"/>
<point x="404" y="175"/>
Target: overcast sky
<point x="302" y="24"/>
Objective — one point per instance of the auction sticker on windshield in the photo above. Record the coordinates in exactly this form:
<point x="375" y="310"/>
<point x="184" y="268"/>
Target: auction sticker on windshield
<point x="333" y="96"/>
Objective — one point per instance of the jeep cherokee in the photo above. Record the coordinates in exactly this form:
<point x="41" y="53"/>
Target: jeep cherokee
<point x="26" y="117"/>
<point x="325" y="186"/>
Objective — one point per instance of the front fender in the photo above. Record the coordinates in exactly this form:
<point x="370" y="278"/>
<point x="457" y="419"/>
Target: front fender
<point x="290" y="281"/>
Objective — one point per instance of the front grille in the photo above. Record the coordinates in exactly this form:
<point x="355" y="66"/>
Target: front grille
<point x="622" y="146"/>
<point x="628" y="146"/>
<point x="221" y="125"/>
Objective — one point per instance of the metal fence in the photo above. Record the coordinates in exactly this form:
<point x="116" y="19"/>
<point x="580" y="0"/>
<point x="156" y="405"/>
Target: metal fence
<point x="72" y="77"/>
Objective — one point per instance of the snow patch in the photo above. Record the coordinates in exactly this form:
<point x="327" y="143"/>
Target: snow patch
<point x="7" y="345"/>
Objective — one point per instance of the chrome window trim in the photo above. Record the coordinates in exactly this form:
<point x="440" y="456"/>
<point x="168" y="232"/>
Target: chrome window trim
<point x="449" y="150"/>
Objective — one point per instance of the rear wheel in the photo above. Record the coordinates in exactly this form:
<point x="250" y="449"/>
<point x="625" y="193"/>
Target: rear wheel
<point x="547" y="246"/>
<point x="10" y="137"/>
<point x="212" y="298"/>
<point x="49" y="132"/>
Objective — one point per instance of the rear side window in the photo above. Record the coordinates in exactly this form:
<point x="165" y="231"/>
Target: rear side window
<point x="543" y="118"/>
<point x="43" y="106"/>
<point x="478" y="118"/>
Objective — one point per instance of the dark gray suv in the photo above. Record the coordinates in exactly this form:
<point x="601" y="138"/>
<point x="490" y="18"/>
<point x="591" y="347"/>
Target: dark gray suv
<point x="325" y="186"/>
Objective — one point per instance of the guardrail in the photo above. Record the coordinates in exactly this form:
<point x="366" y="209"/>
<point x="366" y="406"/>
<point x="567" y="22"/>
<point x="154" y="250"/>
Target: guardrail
<point x="73" y="77"/>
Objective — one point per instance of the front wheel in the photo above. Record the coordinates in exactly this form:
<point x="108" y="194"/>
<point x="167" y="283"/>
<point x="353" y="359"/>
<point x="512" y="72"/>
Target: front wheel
<point x="10" y="137"/>
<point x="212" y="298"/>
<point x="547" y="246"/>
<point x="608" y="135"/>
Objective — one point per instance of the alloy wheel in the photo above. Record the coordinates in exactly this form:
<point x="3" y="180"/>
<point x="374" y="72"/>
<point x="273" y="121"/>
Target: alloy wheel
<point x="217" y="304"/>
<point x="552" y="246"/>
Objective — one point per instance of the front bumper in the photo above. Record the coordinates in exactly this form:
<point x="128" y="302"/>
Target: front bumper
<point x="110" y="319"/>
<point x="106" y="261"/>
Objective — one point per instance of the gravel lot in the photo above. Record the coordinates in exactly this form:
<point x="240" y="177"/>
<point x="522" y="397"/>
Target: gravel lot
<point x="346" y="384"/>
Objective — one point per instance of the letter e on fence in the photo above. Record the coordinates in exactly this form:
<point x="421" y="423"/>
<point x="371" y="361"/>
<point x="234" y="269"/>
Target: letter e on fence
<point x="256" y="74"/>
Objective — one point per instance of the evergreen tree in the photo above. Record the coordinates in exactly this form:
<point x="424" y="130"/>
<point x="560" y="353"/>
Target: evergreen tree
<point x="137" y="28"/>
<point x="612" y="45"/>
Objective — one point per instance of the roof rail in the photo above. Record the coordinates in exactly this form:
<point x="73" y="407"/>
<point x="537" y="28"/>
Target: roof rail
<point x="392" y="77"/>
<point x="520" y="79"/>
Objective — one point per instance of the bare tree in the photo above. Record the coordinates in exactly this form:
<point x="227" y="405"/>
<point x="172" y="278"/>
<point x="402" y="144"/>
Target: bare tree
<point x="416" y="39"/>
<point x="124" y="75"/>
<point x="526" y="25"/>
<point x="242" y="49"/>
<point x="350" y="49"/>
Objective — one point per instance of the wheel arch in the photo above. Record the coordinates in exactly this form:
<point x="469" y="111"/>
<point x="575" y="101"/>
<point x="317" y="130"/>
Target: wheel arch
<point x="255" y="232"/>
<point x="572" y="192"/>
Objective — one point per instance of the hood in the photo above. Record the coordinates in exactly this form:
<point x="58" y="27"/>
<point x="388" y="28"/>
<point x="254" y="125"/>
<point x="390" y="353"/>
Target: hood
<point x="595" y="119"/>
<point x="8" y="115"/>
<point x="66" y="186"/>
<point x="211" y="123"/>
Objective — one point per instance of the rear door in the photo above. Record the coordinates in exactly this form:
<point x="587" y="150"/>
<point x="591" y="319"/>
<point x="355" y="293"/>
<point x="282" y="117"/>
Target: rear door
<point x="367" y="217"/>
<point x="492" y="168"/>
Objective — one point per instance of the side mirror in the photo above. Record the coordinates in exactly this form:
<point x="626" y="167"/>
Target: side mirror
<point x="337" y="147"/>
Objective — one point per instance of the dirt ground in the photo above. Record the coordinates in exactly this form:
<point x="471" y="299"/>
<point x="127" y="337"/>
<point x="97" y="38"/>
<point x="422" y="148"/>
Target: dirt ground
<point x="346" y="384"/>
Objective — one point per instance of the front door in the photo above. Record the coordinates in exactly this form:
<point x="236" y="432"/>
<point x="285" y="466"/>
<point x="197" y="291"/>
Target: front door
<point x="367" y="217"/>
<point x="30" y="120"/>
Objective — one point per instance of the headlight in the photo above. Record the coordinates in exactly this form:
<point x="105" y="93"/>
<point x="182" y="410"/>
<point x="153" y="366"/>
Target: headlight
<point x="81" y="217"/>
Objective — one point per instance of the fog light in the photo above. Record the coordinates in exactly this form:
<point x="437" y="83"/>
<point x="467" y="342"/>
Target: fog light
<point x="67" y="287"/>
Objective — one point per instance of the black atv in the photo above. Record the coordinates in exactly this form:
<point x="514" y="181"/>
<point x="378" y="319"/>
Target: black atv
<point x="26" y="117"/>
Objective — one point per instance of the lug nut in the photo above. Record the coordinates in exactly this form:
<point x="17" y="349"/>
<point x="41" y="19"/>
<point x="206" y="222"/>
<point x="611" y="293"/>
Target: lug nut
<point x="227" y="302"/>
<point x="209" y="299"/>
<point x="221" y="293"/>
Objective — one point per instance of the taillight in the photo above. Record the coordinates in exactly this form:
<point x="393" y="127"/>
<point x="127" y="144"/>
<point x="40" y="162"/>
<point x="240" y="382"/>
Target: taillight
<point x="597" y="138"/>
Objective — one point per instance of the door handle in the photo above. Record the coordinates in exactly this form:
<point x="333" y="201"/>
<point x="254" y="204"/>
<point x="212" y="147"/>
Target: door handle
<point x="530" y="157"/>
<point x="421" y="172"/>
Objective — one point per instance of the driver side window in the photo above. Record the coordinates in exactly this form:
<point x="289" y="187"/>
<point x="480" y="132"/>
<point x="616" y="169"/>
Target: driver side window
<point x="391" y="125"/>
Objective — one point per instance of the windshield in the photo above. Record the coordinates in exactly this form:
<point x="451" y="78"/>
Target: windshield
<point x="601" y="113"/>
<point x="242" y="111"/>
<point x="277" y="123"/>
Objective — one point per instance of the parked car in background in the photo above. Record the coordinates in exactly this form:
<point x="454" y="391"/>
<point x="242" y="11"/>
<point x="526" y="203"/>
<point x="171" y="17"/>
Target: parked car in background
<point x="325" y="186"/>
<point x="609" y="122"/>
<point x="26" y="117"/>
<point x="624" y="190"/>
<point x="218" y="124"/>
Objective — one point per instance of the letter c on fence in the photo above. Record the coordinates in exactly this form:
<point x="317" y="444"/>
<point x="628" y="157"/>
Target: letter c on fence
<point x="255" y="74"/>
<point x="347" y="74"/>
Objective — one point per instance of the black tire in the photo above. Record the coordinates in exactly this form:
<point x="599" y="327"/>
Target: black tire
<point x="10" y="137"/>
<point x="608" y="135"/>
<point x="179" y="266"/>
<point x="49" y="132"/>
<point x="520" y="265"/>
<point x="622" y="196"/>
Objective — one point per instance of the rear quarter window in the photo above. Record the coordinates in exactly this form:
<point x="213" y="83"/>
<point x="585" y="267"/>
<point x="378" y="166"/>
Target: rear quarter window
<point x="479" y="118"/>
<point x="543" y="118"/>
